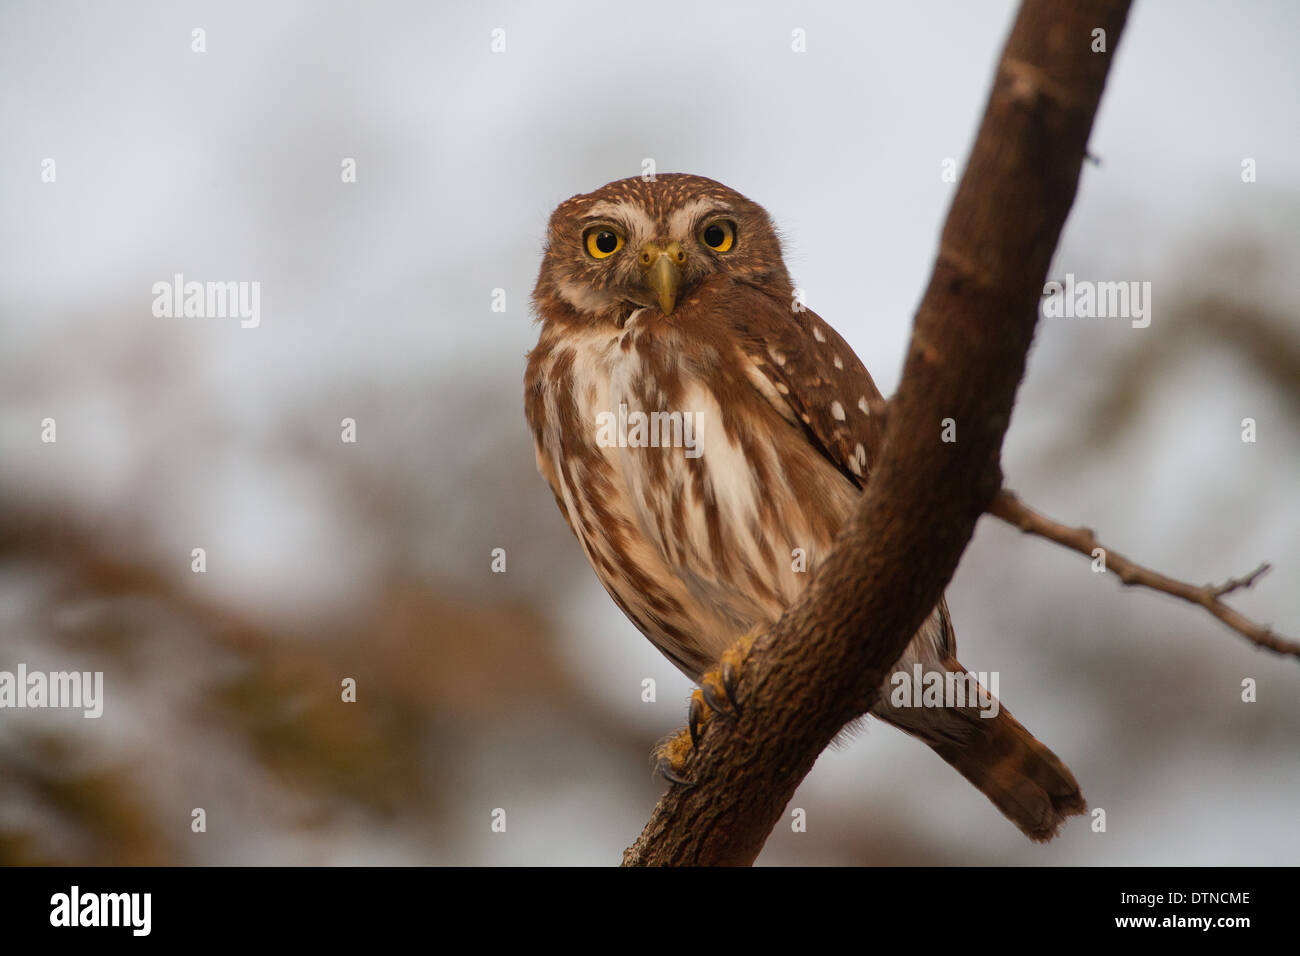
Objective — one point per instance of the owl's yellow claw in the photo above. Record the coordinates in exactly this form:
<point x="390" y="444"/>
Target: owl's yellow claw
<point x="733" y="662"/>
<point x="699" y="714"/>
<point x="671" y="756"/>
<point x="716" y="695"/>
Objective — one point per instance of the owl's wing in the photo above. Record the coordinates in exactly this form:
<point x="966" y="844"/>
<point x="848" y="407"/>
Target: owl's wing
<point x="809" y="373"/>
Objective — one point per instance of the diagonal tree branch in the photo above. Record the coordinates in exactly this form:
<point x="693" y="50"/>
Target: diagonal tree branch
<point x="822" y="664"/>
<point x="1008" y="506"/>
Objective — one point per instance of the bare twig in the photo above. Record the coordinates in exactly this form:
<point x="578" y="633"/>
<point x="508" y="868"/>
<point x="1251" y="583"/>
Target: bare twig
<point x="1008" y="506"/>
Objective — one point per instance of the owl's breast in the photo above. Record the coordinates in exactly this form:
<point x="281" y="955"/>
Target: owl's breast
<point x="702" y="509"/>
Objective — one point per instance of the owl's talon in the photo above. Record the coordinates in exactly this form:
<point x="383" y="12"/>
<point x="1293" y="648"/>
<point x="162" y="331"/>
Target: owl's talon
<point x="716" y="695"/>
<point x="718" y="703"/>
<point x="720" y="684"/>
<point x="672" y="754"/>
<point x="664" y="767"/>
<point x="730" y="678"/>
<point x="696" y="719"/>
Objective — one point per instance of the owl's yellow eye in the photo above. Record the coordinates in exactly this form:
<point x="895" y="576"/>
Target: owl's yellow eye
<point x="603" y="242"/>
<point x="719" y="235"/>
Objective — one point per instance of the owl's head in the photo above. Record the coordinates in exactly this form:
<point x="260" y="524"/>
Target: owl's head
<point x="635" y="244"/>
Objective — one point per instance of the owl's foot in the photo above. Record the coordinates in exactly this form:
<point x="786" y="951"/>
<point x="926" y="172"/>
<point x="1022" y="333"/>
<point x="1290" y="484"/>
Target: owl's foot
<point x="716" y="696"/>
<point x="671" y="755"/>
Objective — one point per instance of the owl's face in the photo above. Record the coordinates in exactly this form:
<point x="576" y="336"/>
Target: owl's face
<point x="633" y="244"/>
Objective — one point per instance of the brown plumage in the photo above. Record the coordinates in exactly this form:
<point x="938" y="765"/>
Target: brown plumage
<point x="671" y="297"/>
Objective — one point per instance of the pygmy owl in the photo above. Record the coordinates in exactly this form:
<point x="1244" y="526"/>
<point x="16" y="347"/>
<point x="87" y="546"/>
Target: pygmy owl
<point x="706" y="436"/>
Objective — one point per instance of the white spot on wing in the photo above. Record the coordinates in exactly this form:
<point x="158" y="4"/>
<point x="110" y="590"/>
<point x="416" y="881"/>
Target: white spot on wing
<point x="837" y="411"/>
<point x="862" y="404"/>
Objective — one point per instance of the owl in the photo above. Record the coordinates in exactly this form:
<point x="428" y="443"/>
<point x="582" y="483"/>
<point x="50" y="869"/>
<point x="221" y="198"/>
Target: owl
<point x="706" y="436"/>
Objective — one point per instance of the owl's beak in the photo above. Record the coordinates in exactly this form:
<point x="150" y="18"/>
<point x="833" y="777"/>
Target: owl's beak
<point x="663" y="274"/>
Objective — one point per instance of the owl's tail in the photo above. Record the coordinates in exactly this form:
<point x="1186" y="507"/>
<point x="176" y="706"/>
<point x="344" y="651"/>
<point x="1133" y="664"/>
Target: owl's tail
<point x="1025" y="780"/>
<point x="1032" y="787"/>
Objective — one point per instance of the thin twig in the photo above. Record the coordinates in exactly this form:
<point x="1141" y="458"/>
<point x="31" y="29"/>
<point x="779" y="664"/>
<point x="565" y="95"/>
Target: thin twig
<point x="1008" y="506"/>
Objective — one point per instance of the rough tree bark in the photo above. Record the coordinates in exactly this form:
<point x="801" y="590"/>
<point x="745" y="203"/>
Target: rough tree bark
<point x="822" y="664"/>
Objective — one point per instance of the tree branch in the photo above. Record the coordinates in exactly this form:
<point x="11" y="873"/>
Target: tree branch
<point x="1008" y="506"/>
<point x="824" y="661"/>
